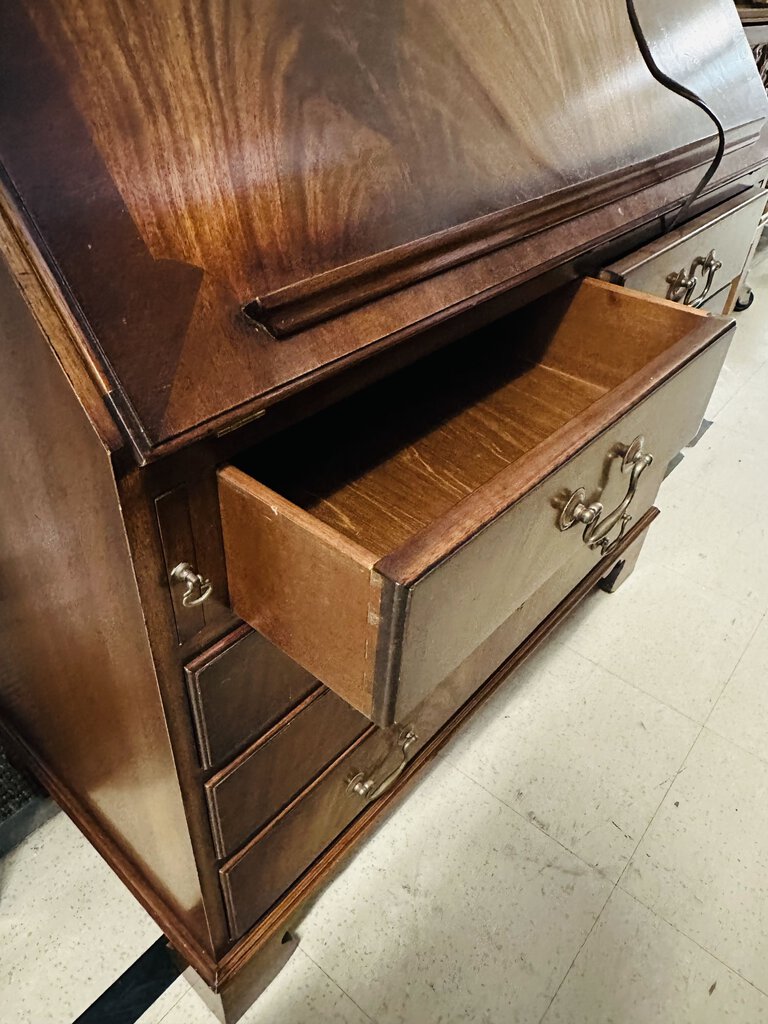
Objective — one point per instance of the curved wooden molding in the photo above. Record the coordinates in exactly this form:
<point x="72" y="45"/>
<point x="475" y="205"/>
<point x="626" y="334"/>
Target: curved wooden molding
<point x="295" y="307"/>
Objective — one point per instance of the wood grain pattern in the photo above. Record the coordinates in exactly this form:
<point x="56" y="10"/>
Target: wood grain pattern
<point x="137" y="500"/>
<point x="266" y="777"/>
<point x="458" y="603"/>
<point x="77" y="681"/>
<point x="358" y="174"/>
<point x="299" y="582"/>
<point x="728" y="233"/>
<point x="476" y="681"/>
<point x="387" y="463"/>
<point x="240" y="687"/>
<point x="294" y="308"/>
<point x="460" y="523"/>
<point x="131" y="874"/>
<point x="323" y="139"/>
<point x="46" y="302"/>
<point x="228" y="1002"/>
<point x="178" y="543"/>
<point x="393" y="460"/>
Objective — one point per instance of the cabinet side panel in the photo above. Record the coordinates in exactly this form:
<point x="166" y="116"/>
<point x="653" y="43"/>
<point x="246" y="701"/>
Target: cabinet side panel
<point x="77" y="681"/>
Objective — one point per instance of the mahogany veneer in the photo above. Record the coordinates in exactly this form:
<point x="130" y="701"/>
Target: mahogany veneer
<point x="293" y="296"/>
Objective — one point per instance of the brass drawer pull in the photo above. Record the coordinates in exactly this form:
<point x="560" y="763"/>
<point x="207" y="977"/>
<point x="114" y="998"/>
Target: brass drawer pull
<point x="682" y="285"/>
<point x="367" y="787"/>
<point x="711" y="264"/>
<point x="198" y="588"/>
<point x="596" y="528"/>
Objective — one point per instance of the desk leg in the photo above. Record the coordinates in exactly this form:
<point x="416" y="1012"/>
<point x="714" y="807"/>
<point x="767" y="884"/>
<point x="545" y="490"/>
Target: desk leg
<point x="233" y="998"/>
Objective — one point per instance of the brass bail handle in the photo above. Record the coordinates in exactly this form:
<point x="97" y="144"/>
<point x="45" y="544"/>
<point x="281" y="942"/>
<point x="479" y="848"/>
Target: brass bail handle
<point x="682" y="285"/>
<point x="711" y="265"/>
<point x="596" y="526"/>
<point x="367" y="787"/>
<point x="197" y="587"/>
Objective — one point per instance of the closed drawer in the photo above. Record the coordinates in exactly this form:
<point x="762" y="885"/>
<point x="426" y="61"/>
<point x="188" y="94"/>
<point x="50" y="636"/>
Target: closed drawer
<point x="267" y="776"/>
<point x="253" y="880"/>
<point x="238" y="689"/>
<point x="381" y="542"/>
<point x="698" y="260"/>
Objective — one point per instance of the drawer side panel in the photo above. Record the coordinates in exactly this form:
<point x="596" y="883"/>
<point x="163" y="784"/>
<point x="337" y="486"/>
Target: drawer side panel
<point x="306" y="588"/>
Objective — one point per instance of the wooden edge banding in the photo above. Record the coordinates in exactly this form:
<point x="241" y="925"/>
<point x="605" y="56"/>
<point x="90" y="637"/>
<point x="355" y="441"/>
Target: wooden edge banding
<point x="274" y="822"/>
<point x="440" y="539"/>
<point x="376" y="631"/>
<point x="298" y="306"/>
<point x="500" y="289"/>
<point x="99" y="836"/>
<point x="231" y="1002"/>
<point x="237" y="762"/>
<point x="217" y="974"/>
<point x="395" y="600"/>
<point x="285" y="913"/>
<point x="644" y="297"/>
<point x="192" y="671"/>
<point x="221" y="646"/>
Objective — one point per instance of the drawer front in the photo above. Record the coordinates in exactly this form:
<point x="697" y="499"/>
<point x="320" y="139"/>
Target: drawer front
<point x="717" y="303"/>
<point x="463" y="598"/>
<point x="679" y="266"/>
<point x="254" y="879"/>
<point x="267" y="776"/>
<point x="238" y="689"/>
<point x="275" y="859"/>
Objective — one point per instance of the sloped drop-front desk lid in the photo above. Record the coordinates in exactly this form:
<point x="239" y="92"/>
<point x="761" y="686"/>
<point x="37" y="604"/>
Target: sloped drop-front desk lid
<point x="239" y="197"/>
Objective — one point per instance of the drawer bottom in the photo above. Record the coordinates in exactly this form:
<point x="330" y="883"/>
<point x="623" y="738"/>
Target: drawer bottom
<point x="300" y="847"/>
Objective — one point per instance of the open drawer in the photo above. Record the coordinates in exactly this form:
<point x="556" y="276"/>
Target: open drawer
<point x="382" y="541"/>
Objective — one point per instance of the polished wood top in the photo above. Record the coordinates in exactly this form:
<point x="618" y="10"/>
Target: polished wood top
<point x="342" y="171"/>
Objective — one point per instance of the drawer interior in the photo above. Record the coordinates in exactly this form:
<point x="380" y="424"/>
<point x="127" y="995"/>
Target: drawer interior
<point x="387" y="463"/>
<point x="379" y="542"/>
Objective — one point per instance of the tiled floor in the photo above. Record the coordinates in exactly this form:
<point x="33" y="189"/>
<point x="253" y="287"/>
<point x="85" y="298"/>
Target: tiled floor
<point x="593" y="848"/>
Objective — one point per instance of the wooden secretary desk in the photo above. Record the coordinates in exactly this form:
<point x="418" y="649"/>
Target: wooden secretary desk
<point x="343" y="348"/>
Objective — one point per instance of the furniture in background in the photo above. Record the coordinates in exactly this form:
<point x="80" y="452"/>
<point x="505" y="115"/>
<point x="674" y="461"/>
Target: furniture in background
<point x="316" y="416"/>
<point x="754" y="18"/>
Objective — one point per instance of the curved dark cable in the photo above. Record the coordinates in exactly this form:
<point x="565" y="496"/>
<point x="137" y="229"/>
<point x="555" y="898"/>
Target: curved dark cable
<point x="688" y="94"/>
